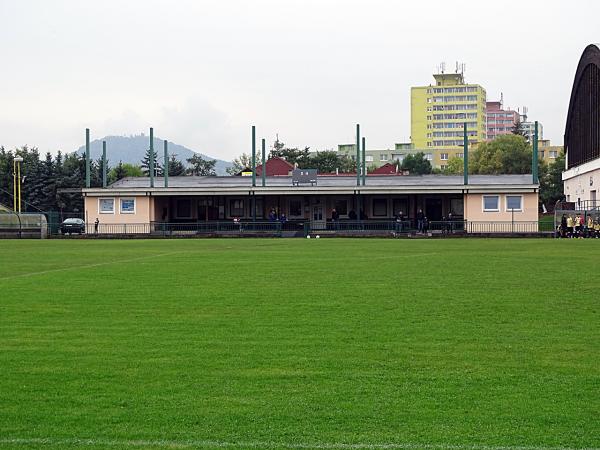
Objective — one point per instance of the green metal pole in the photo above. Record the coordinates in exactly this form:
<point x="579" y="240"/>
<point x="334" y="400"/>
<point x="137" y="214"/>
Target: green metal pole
<point x="253" y="155"/>
<point x="151" y="161"/>
<point x="87" y="157"/>
<point x="465" y="155"/>
<point x="166" y="164"/>
<point x="264" y="164"/>
<point x="364" y="163"/>
<point x="104" y="164"/>
<point x="357" y="154"/>
<point x="534" y="160"/>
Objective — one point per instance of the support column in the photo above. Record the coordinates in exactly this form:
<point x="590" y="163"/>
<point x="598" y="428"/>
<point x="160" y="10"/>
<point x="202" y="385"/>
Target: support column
<point x="151" y="158"/>
<point x="87" y="157"/>
<point x="166" y="164"/>
<point x="357" y="154"/>
<point x="534" y="156"/>
<point x="264" y="164"/>
<point x="104" y="168"/>
<point x="465" y="155"/>
<point x="364" y="162"/>
<point x="253" y="156"/>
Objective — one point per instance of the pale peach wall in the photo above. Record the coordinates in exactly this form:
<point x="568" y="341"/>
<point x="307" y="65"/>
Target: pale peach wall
<point x="141" y="215"/>
<point x="474" y="209"/>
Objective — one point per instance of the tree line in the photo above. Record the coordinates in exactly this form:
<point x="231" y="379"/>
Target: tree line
<point x="46" y="179"/>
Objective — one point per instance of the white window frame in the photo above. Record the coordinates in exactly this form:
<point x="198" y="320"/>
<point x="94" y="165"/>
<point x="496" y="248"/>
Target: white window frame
<point x="368" y="158"/>
<point x="507" y="209"/>
<point x="444" y="156"/>
<point x="106" y="212"/>
<point x="497" y="209"/>
<point x="121" y="205"/>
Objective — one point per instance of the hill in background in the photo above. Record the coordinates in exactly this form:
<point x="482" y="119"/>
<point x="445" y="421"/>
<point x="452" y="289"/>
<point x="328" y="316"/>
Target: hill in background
<point x="132" y="149"/>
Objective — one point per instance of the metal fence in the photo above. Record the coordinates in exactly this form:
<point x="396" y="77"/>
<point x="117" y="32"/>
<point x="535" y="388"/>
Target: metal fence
<point x="304" y="228"/>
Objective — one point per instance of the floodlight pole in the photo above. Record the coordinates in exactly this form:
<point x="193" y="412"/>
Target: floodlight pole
<point x="166" y="164"/>
<point x="104" y="164"/>
<point x="87" y="157"/>
<point x="151" y="158"/>
<point x="465" y="155"/>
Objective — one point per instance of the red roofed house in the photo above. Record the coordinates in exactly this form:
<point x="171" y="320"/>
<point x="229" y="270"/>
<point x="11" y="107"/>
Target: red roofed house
<point x="276" y="166"/>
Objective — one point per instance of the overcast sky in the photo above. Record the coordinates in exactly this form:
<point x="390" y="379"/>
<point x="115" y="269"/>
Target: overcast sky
<point x="202" y="72"/>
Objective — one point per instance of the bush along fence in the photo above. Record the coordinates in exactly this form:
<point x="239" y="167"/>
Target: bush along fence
<point x="37" y="227"/>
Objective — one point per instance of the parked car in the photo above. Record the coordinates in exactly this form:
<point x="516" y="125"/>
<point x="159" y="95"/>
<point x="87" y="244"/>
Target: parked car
<point x="70" y="226"/>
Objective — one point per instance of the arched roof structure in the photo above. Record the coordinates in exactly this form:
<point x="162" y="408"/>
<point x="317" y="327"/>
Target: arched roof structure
<point x="582" y="132"/>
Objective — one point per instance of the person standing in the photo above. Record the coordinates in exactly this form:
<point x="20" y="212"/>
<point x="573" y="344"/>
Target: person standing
<point x="335" y="217"/>
<point x="96" y="225"/>
<point x="570" y="223"/>
<point x="420" y="218"/>
<point x="563" y="226"/>
<point x="399" y="220"/>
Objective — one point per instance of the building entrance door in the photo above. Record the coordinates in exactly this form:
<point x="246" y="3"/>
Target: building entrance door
<point x="433" y="209"/>
<point x="318" y="218"/>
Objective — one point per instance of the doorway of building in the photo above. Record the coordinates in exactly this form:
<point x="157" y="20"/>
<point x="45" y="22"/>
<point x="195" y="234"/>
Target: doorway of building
<point x="317" y="217"/>
<point x="207" y="210"/>
<point x="433" y="208"/>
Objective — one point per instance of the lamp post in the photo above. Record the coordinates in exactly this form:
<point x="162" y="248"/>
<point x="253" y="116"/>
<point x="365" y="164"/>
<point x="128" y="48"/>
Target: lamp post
<point x="17" y="183"/>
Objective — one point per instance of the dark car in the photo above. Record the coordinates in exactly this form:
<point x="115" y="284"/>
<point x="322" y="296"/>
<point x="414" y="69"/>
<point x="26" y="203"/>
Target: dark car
<point x="70" y="226"/>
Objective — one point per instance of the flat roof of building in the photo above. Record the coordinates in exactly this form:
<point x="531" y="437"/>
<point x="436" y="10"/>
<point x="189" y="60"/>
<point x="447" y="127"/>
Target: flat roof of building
<point x="342" y="184"/>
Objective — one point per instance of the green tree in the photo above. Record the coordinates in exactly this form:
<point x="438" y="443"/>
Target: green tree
<point x="416" y="164"/>
<point x="201" y="166"/>
<point x="291" y="155"/>
<point x="123" y="170"/>
<point x="507" y="154"/>
<point x="176" y="167"/>
<point x="242" y="162"/>
<point x="158" y="170"/>
<point x="518" y="130"/>
<point x="551" y="184"/>
<point x="455" y="166"/>
<point x="325" y="161"/>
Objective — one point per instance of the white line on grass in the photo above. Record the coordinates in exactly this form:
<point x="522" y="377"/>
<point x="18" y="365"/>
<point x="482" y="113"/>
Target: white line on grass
<point x="87" y="266"/>
<point x="263" y="445"/>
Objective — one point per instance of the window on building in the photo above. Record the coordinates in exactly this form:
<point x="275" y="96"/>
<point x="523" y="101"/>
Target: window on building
<point x="128" y="206"/>
<point x="459" y="155"/>
<point x="457" y="207"/>
<point x="444" y="156"/>
<point x="259" y="209"/>
<point x="236" y="207"/>
<point x="428" y="117"/>
<point x="429" y="156"/>
<point x="183" y="208"/>
<point x="398" y="156"/>
<point x="514" y="202"/>
<point x="369" y="158"/>
<point x="379" y="207"/>
<point x="552" y="153"/>
<point x="443" y="166"/>
<point x="383" y="157"/>
<point x="106" y="205"/>
<point x="429" y="144"/>
<point x="490" y="203"/>
<point x="429" y="109"/>
<point x="295" y="207"/>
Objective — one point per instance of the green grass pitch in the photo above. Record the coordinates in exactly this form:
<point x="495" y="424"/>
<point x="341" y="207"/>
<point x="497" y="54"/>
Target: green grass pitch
<point x="273" y="343"/>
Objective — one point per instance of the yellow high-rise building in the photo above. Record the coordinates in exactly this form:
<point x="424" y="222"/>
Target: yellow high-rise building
<point x="438" y="114"/>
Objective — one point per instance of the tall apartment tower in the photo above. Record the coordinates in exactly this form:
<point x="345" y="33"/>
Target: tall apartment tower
<point x="439" y="111"/>
<point x="499" y="120"/>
